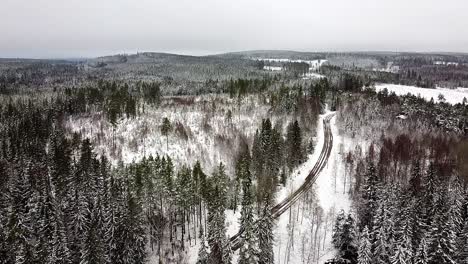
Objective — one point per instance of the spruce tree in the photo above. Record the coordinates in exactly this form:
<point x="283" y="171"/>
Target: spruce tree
<point x="202" y="252"/>
<point x="365" y="248"/>
<point x="368" y="201"/>
<point x="166" y="127"/>
<point x="441" y="237"/>
<point x="216" y="217"/>
<point x="338" y="229"/>
<point x="415" y="180"/>
<point x="462" y="245"/>
<point x="431" y="184"/>
<point x="93" y="244"/>
<point x="421" y="256"/>
<point x="382" y="233"/>
<point x="266" y="237"/>
<point x="400" y="256"/>
<point x="20" y="222"/>
<point x="294" y="146"/>
<point x="457" y="200"/>
<point x="249" y="250"/>
<point x="347" y="248"/>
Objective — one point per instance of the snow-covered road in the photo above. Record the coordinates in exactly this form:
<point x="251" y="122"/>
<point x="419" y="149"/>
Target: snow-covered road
<point x="313" y="173"/>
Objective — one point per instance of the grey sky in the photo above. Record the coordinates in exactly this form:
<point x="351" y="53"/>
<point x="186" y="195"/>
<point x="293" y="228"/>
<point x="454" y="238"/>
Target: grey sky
<point x="74" y="28"/>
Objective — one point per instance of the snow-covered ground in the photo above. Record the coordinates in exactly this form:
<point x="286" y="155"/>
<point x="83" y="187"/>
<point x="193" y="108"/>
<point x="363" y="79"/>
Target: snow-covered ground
<point x="311" y="217"/>
<point x="389" y="68"/>
<point x="303" y="233"/>
<point x="312" y="75"/>
<point x="446" y="63"/>
<point x="314" y="64"/>
<point x="203" y="130"/>
<point x="452" y="96"/>
<point x="272" y="68"/>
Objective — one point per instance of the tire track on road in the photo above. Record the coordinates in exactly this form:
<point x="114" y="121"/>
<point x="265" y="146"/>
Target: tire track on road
<point x="284" y="205"/>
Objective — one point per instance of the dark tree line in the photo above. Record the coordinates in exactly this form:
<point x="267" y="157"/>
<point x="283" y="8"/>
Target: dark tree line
<point x="60" y="203"/>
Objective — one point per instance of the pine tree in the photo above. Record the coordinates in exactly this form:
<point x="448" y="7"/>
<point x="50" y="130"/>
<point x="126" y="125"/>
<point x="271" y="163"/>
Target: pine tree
<point x="92" y="248"/>
<point x="422" y="253"/>
<point x="114" y="217"/>
<point x="368" y="201"/>
<point x="441" y="237"/>
<point x="295" y="153"/>
<point x="202" y="252"/>
<point x="249" y="250"/>
<point x="457" y="200"/>
<point x="365" y="248"/>
<point x="53" y="245"/>
<point x="338" y="229"/>
<point x="130" y="233"/>
<point x="382" y="232"/>
<point x="20" y="225"/>
<point x="165" y="129"/>
<point x="242" y="169"/>
<point x="61" y="164"/>
<point x="431" y="183"/>
<point x="415" y="180"/>
<point x="417" y="222"/>
<point x="265" y="237"/>
<point x="137" y="235"/>
<point x="462" y="245"/>
<point x="400" y="256"/>
<point x="347" y="248"/>
<point x="216" y="217"/>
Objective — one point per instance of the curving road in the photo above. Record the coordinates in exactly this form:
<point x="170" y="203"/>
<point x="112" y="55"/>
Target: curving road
<point x="284" y="205"/>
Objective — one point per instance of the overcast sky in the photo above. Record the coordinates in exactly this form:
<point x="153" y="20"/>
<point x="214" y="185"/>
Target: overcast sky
<point x="85" y="28"/>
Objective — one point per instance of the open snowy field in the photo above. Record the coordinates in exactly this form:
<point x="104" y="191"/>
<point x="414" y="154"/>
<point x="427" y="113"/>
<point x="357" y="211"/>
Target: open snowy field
<point x="312" y="75"/>
<point x="313" y="64"/>
<point x="272" y="68"/>
<point x="452" y="96"/>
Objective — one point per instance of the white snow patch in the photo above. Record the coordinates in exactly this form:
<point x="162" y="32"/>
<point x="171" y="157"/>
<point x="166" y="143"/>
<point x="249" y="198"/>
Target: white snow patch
<point x="452" y="96"/>
<point x="312" y="75"/>
<point x="446" y="63"/>
<point x="272" y="68"/>
<point x="314" y="64"/>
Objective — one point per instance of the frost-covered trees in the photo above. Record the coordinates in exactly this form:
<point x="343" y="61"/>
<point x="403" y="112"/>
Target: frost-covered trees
<point x="368" y="203"/>
<point x="295" y="150"/>
<point x="219" y="251"/>
<point x="400" y="256"/>
<point x="202" y="253"/>
<point x="166" y="127"/>
<point x="365" y="248"/>
<point x="344" y="237"/>
<point x="265" y="237"/>
<point x="249" y="251"/>
<point x="421" y="256"/>
<point x="441" y="237"/>
<point x="65" y="208"/>
<point x="267" y="160"/>
<point x="462" y="245"/>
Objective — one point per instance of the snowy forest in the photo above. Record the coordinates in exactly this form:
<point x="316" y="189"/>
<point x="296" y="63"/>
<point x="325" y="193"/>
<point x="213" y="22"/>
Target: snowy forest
<point x="255" y="157"/>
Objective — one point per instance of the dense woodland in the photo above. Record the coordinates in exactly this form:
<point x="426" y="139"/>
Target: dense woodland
<point x="408" y="186"/>
<point x="60" y="202"/>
